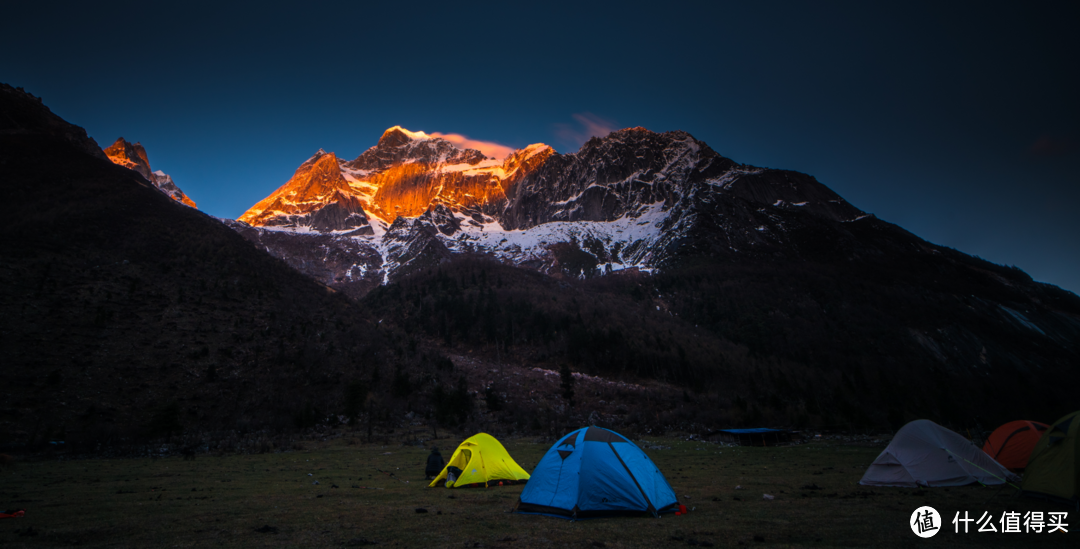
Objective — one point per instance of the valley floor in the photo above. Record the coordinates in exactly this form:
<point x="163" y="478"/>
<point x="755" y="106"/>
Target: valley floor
<point x="372" y="494"/>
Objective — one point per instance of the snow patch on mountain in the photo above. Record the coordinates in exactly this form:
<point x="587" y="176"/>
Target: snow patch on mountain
<point x="1020" y="319"/>
<point x="637" y="230"/>
<point x="734" y="174"/>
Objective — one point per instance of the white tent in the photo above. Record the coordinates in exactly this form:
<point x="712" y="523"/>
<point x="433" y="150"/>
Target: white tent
<point x="924" y="453"/>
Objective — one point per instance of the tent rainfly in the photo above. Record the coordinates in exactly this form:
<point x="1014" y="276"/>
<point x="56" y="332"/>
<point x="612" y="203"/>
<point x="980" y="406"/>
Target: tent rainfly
<point x="595" y="472"/>
<point x="479" y="461"/>
<point x="1011" y="444"/>
<point x="1053" y="470"/>
<point x="924" y="453"/>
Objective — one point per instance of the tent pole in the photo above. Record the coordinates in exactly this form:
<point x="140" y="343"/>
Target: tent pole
<point x="987" y="472"/>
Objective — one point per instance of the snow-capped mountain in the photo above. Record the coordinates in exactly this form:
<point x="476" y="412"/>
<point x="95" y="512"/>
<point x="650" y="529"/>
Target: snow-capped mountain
<point x="775" y="302"/>
<point x="634" y="199"/>
<point x="133" y="156"/>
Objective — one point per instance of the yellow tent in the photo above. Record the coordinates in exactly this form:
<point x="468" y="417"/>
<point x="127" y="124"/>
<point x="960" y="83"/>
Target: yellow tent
<point x="480" y="460"/>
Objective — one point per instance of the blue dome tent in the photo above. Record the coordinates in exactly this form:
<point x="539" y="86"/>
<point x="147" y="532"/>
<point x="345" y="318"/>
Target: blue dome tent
<point x="596" y="472"/>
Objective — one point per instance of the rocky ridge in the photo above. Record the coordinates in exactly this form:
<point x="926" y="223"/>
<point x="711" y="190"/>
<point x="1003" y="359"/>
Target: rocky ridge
<point x="133" y="157"/>
<point x="26" y="116"/>
<point x="625" y="201"/>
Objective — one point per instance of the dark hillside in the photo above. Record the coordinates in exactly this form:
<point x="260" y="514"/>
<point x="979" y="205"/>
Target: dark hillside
<point x="474" y="302"/>
<point x="876" y="342"/>
<point x="127" y="315"/>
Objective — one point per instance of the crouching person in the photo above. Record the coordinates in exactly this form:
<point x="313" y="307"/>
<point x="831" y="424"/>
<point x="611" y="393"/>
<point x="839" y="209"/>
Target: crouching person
<point x="435" y="464"/>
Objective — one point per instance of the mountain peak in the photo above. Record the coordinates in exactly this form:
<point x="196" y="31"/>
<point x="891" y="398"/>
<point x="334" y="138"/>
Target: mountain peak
<point x="397" y="136"/>
<point x="132" y="156"/>
<point x="529" y="157"/>
<point x="534" y="149"/>
<point x="318" y="181"/>
<point x="327" y="159"/>
<point x="401" y="146"/>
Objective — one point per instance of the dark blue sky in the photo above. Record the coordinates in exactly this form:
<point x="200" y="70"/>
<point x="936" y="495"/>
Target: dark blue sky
<point x="958" y="122"/>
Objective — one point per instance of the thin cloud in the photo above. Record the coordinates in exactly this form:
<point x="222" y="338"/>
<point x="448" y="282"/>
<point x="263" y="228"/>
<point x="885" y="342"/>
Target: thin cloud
<point x="495" y="150"/>
<point x="587" y="126"/>
<point x="1051" y="146"/>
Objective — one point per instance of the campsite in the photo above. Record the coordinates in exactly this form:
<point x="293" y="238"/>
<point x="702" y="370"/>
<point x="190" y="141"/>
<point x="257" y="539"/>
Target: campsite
<point x="375" y="495"/>
<point x="532" y="275"/>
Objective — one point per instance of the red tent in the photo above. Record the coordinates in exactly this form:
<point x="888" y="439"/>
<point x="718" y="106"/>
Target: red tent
<point x="1011" y="444"/>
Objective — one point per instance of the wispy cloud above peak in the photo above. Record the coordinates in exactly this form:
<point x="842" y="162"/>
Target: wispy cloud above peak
<point x="489" y="148"/>
<point x="587" y="125"/>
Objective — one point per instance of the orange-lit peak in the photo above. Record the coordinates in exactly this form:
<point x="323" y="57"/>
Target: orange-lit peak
<point x="128" y="155"/>
<point x="122" y="150"/>
<point x="323" y="156"/>
<point x="412" y="134"/>
<point x="397" y="136"/>
<point x="133" y="156"/>
<point x="536" y="147"/>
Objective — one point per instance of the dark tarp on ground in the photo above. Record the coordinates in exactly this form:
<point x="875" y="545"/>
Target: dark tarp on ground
<point x="751" y="437"/>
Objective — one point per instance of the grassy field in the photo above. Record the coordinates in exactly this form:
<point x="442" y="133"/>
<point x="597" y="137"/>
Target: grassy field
<point x="371" y="494"/>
